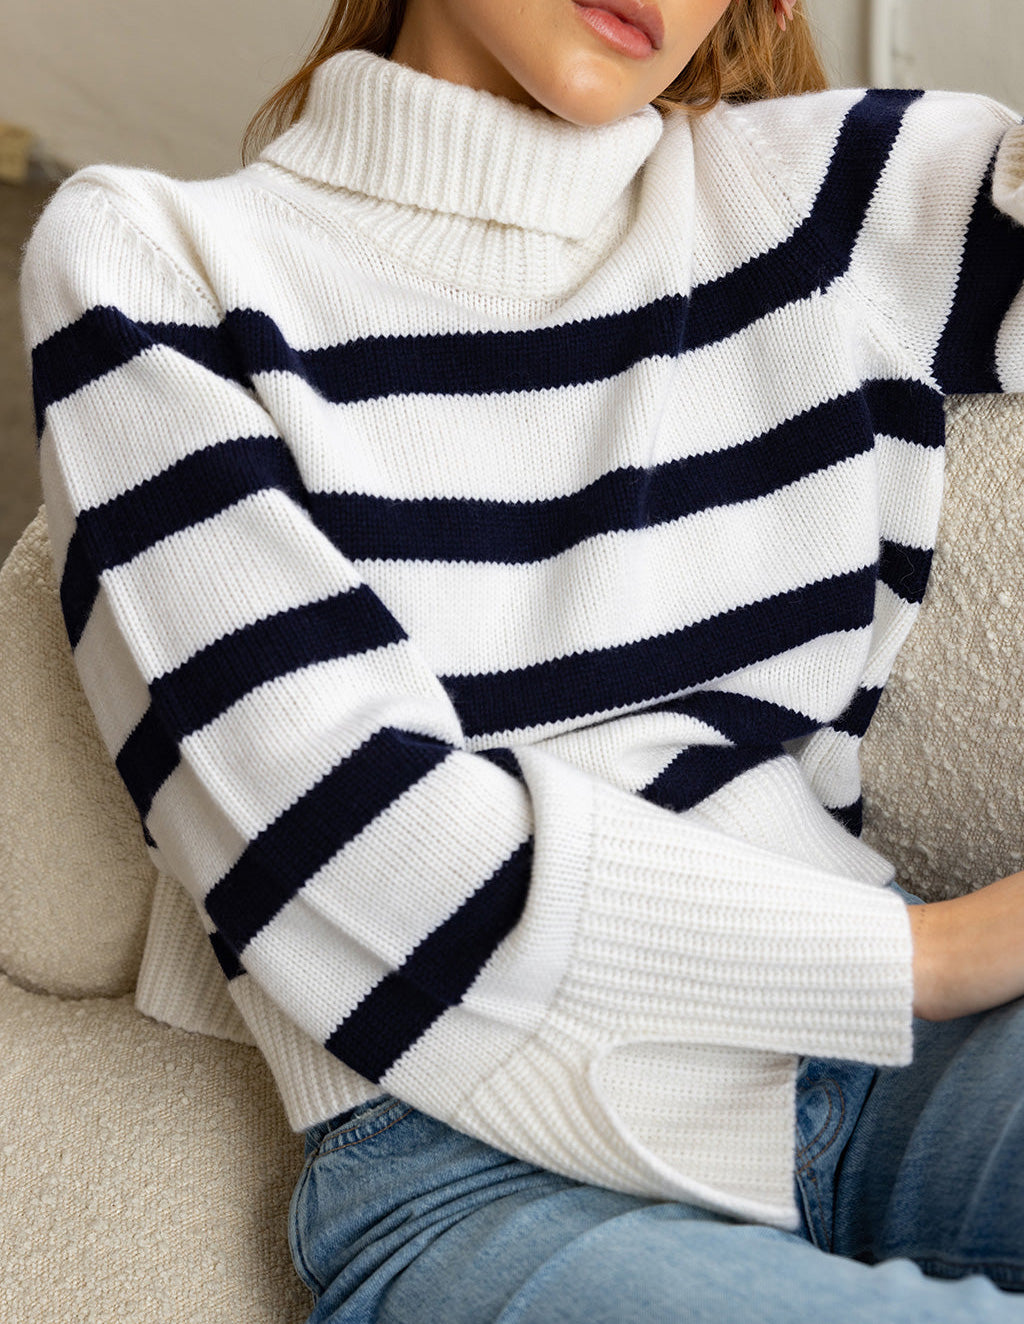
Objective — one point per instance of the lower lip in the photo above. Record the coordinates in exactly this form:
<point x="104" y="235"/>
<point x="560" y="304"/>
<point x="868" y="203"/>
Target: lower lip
<point x="622" y="37"/>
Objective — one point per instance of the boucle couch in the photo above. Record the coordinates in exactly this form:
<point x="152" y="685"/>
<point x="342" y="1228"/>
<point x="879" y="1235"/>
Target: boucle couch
<point x="146" y="1171"/>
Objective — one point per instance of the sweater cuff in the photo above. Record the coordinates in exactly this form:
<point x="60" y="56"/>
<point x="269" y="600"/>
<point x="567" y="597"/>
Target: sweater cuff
<point x="691" y="936"/>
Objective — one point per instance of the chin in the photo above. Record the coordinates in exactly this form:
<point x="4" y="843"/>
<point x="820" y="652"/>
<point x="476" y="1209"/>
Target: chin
<point x="590" y="101"/>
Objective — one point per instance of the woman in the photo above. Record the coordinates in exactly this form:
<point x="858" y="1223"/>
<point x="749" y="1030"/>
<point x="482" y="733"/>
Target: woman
<point x="485" y="525"/>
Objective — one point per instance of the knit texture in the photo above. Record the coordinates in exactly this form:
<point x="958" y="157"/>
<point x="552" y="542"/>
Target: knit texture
<point x="486" y="644"/>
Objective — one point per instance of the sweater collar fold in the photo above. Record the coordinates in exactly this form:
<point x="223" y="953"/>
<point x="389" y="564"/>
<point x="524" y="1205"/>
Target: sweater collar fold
<point x="391" y="133"/>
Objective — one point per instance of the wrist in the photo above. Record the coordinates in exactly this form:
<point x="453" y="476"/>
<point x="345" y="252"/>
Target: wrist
<point x="969" y="951"/>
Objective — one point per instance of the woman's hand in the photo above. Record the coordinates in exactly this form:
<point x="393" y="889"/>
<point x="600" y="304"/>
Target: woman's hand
<point x="969" y="952"/>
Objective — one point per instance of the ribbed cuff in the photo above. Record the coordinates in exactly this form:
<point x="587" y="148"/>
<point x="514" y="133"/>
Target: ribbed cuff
<point x="690" y="935"/>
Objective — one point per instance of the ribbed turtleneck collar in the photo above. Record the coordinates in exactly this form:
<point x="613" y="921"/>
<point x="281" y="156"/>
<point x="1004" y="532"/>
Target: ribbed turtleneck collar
<point x="390" y="133"/>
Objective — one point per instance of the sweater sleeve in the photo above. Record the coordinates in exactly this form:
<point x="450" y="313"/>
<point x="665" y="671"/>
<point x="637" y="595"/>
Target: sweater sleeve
<point x="440" y="920"/>
<point x="941" y="246"/>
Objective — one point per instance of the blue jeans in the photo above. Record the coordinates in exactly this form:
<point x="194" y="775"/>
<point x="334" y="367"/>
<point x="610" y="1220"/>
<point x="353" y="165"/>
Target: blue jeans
<point x="911" y="1184"/>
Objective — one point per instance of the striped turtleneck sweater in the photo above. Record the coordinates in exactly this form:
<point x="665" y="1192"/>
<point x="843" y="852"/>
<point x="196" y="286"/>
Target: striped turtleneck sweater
<point x="484" y="542"/>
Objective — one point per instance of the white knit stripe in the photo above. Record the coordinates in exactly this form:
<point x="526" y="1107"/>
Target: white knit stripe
<point x="756" y="360"/>
<point x="486" y="447"/>
<point x="472" y="618"/>
<point x="280" y="739"/>
<point x="818" y="678"/>
<point x="140" y="405"/>
<point x="894" y="617"/>
<point x="633" y="750"/>
<point x="910" y="488"/>
<point x="427" y="853"/>
<point x="198" y="841"/>
<point x="338" y="971"/>
<point x="117" y="690"/>
<point x="338" y="931"/>
<point x="88" y="234"/>
<point x="829" y="761"/>
<point x="743" y="181"/>
<point x="484" y="1045"/>
<point x="232" y="569"/>
<point x="914" y="264"/>
<point x="61" y="514"/>
<point x="771" y="806"/>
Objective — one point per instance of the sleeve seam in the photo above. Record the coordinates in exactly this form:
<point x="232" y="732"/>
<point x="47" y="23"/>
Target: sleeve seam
<point x="182" y="276"/>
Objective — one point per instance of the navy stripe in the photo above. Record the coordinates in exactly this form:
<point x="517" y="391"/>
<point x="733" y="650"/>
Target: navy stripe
<point x="850" y="817"/>
<point x="211" y="680"/>
<point x="856" y="717"/>
<point x="700" y="770"/>
<point x="146" y="759"/>
<point x="516" y="532"/>
<point x="103" y="339"/>
<point x="192" y="489"/>
<point x="186" y="699"/>
<point x="469" y="363"/>
<point x="226" y="958"/>
<point x="631" y="675"/>
<point x="991" y="278"/>
<point x="436" y="975"/>
<point x="818" y="251"/>
<point x="905" y="570"/>
<point x="79" y="588"/>
<point x="907" y="409"/>
<point x="744" y="720"/>
<point x="505" y="759"/>
<point x="276" y="865"/>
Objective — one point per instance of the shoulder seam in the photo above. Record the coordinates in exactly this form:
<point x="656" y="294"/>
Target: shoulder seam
<point x="181" y="275"/>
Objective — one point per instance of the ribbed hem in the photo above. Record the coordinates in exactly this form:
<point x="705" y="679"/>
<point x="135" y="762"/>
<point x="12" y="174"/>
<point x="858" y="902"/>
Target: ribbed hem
<point x="707" y="1127"/>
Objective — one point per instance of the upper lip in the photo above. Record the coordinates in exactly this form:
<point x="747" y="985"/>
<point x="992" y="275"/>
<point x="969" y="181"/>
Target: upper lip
<point x="646" y="17"/>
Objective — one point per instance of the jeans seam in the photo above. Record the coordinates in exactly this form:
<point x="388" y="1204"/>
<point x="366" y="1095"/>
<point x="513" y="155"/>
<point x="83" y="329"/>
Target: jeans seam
<point x="824" y="1126"/>
<point x="311" y="1280"/>
<point x="806" y="1171"/>
<point x="323" y="1149"/>
<point x="826" y="1238"/>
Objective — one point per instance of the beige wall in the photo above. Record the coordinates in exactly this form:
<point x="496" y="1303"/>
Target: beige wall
<point x="147" y="82"/>
<point x="841" y="27"/>
<point x="975" y="48"/>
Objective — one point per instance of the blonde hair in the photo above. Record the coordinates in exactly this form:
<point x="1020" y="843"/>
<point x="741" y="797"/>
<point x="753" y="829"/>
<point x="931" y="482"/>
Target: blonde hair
<point x="745" y="58"/>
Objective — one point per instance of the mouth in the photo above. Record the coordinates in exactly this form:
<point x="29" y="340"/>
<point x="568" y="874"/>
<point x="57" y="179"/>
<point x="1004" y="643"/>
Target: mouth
<point x="633" y="26"/>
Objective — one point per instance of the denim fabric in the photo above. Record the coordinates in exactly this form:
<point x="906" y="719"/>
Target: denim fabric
<point x="908" y="1177"/>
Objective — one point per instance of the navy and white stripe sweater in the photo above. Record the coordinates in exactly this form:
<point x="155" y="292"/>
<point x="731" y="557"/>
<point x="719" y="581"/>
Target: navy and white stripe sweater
<point x="484" y="542"/>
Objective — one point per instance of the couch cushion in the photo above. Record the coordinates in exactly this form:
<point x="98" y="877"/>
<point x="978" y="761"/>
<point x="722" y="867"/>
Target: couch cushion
<point x="146" y="1172"/>
<point x="75" y="876"/>
<point x="943" y="786"/>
